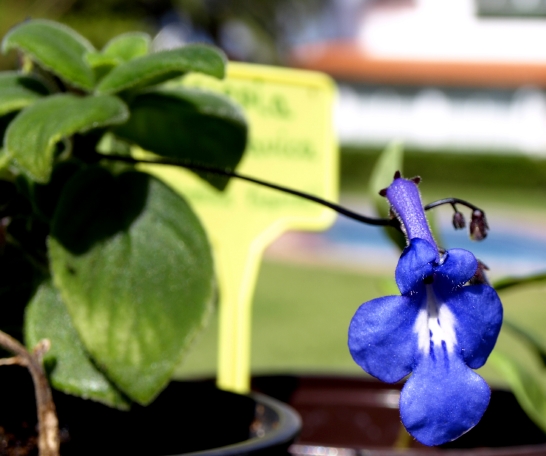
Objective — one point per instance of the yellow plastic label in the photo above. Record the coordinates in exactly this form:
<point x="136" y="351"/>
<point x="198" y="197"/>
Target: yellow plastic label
<point x="291" y="143"/>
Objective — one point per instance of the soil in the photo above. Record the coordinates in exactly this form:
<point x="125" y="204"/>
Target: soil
<point x="186" y="416"/>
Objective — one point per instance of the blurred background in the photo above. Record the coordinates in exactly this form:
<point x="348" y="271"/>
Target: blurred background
<point x="459" y="82"/>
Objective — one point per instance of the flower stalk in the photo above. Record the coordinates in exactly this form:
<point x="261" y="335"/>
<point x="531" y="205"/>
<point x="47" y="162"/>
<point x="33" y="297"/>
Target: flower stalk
<point x="374" y="221"/>
<point x="48" y="424"/>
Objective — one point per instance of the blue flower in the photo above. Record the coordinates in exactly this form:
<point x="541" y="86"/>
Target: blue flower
<point x="439" y="329"/>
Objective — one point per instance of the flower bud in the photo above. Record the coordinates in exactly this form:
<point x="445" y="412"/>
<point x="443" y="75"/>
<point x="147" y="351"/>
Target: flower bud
<point x="458" y="221"/>
<point x="478" y="226"/>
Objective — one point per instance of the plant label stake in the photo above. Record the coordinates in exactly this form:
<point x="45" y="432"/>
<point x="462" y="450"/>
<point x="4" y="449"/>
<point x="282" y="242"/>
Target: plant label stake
<point x="291" y="143"/>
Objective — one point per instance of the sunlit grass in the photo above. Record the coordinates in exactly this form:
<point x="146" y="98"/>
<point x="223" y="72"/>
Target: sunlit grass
<point x="301" y="314"/>
<point x="300" y="320"/>
<point x="515" y="180"/>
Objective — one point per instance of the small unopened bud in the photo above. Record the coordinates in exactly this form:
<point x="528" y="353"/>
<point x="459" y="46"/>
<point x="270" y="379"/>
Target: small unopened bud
<point x="458" y="221"/>
<point x="478" y="226"/>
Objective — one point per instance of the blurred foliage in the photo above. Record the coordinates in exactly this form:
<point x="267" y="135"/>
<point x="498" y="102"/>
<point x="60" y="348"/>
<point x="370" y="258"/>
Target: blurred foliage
<point x="261" y="28"/>
<point x="98" y="21"/>
<point x="245" y="29"/>
<point x="469" y="174"/>
<point x="390" y="161"/>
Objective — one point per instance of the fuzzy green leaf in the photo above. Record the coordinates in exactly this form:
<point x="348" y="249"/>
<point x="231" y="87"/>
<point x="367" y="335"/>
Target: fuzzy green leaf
<point x="97" y="59"/>
<point x="189" y="124"/>
<point x="120" y="49"/>
<point x="14" y="79"/>
<point x="128" y="46"/>
<point x="69" y="366"/>
<point x="15" y="99"/>
<point x="161" y="66"/>
<point x="54" y="46"/>
<point x="31" y="137"/>
<point x="135" y="271"/>
<point x="18" y="91"/>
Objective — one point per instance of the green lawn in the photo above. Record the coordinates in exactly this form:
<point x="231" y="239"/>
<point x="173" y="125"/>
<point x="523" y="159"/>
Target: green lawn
<point x="516" y="180"/>
<point x="301" y="315"/>
<point x="300" y="320"/>
<point x="301" y="312"/>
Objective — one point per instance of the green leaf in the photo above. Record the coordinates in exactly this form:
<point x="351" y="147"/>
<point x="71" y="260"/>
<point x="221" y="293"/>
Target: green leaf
<point x="15" y="99"/>
<point x="97" y="60"/>
<point x="4" y="159"/>
<point x="521" y="366"/>
<point x="14" y="79"/>
<point x="31" y="137"/>
<point x="101" y="64"/>
<point x="189" y="124"/>
<point x="135" y="271"/>
<point x="18" y="91"/>
<point x="389" y="162"/>
<point x="54" y="46"/>
<point x="110" y="144"/>
<point x="128" y="46"/>
<point x="510" y="282"/>
<point x="161" y="66"/>
<point x="120" y="49"/>
<point x="70" y="369"/>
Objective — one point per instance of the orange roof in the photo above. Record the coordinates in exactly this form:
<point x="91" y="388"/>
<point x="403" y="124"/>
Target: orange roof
<point x="346" y="60"/>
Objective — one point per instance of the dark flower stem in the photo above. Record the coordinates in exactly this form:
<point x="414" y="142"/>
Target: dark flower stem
<point x="227" y="173"/>
<point x="452" y="202"/>
<point x="48" y="424"/>
<point x="392" y="222"/>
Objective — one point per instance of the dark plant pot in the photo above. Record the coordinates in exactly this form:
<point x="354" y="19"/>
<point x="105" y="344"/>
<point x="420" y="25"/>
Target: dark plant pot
<point x="186" y="417"/>
<point x="350" y="416"/>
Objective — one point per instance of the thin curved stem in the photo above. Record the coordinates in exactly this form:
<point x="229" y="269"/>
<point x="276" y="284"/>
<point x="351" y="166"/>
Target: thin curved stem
<point x="452" y="202"/>
<point x="48" y="424"/>
<point x="222" y="172"/>
<point x="478" y="226"/>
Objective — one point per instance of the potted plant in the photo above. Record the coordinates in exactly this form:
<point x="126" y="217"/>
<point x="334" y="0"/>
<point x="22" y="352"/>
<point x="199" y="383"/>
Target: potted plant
<point x="107" y="273"/>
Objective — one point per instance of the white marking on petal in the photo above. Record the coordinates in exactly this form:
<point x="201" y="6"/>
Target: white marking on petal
<point x="434" y="324"/>
<point x="421" y="328"/>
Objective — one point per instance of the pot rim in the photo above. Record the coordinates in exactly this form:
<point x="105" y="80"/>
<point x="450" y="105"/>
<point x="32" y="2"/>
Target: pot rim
<point x="300" y="449"/>
<point x="288" y="427"/>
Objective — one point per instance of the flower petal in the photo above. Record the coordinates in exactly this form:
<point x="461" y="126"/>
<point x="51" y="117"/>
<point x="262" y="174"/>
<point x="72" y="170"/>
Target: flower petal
<point x="458" y="267"/>
<point x="442" y="399"/>
<point x="478" y="313"/>
<point x="381" y="337"/>
<point x="416" y="263"/>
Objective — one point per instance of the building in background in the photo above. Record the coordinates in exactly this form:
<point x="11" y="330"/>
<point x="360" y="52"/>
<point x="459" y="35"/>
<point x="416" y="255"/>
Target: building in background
<point x="448" y="75"/>
<point x="452" y="75"/>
